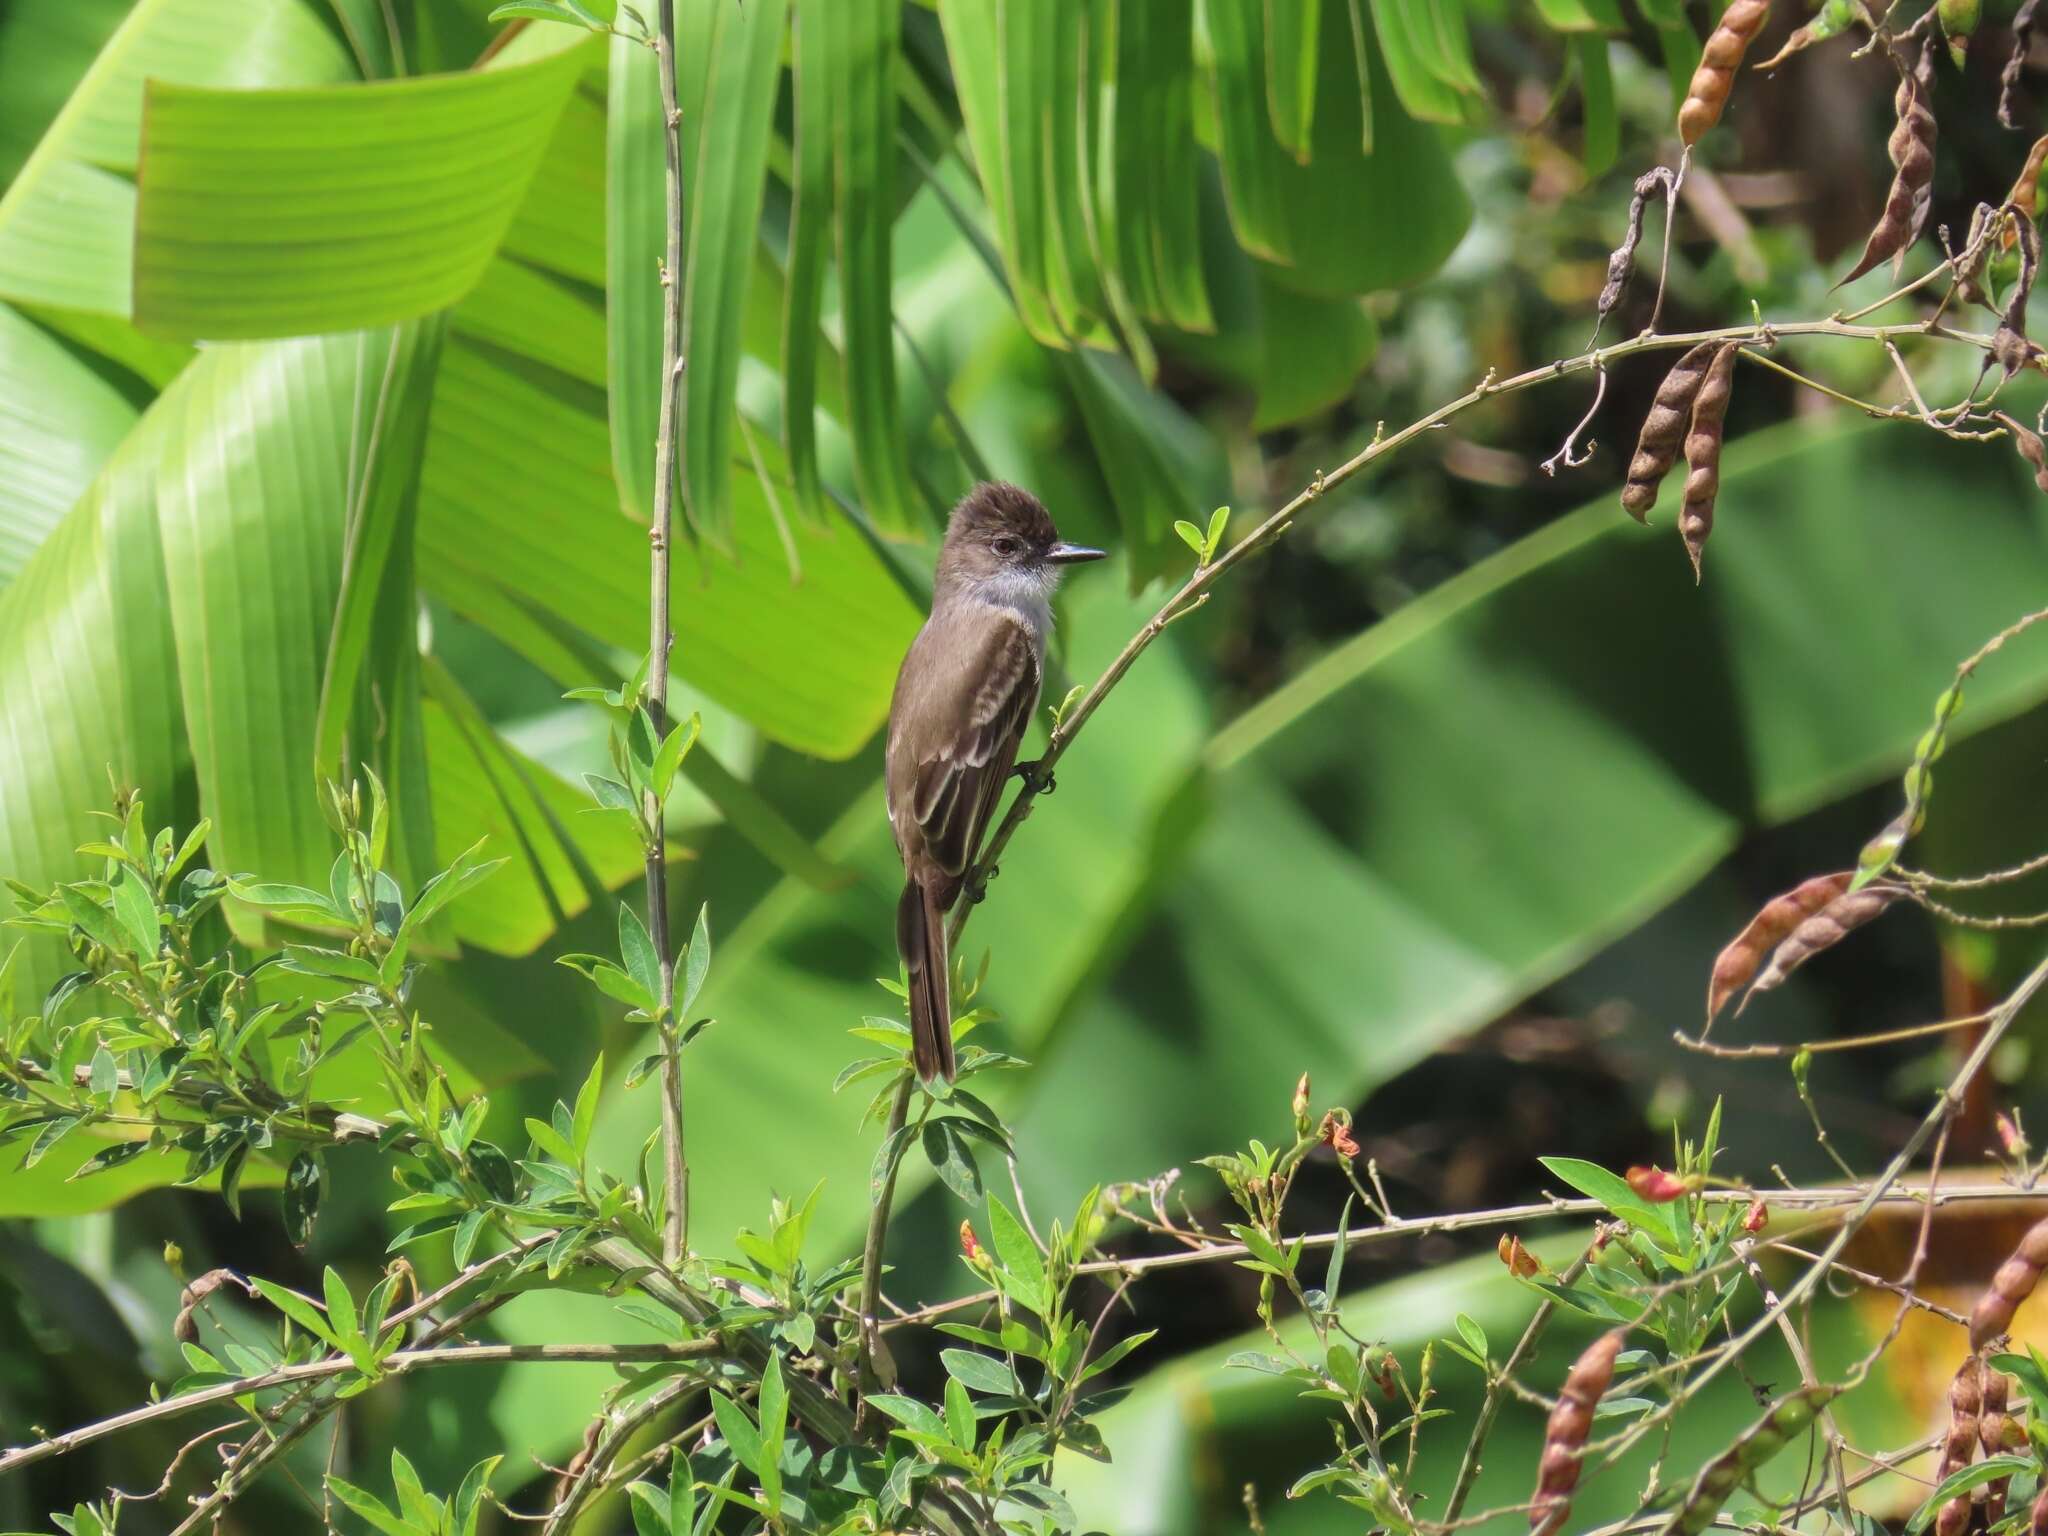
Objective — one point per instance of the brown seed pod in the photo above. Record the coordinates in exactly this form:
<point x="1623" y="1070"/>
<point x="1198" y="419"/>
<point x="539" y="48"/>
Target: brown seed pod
<point x="1991" y="1318"/>
<point x="2037" y="1519"/>
<point x="1826" y="928"/>
<point x="185" y="1327"/>
<point x="1564" y="1438"/>
<point x="1664" y="431"/>
<point x="1995" y="1431"/>
<point x="1772" y="925"/>
<point x="1521" y="1263"/>
<point x="2026" y="191"/>
<point x="1965" y="1416"/>
<point x="1708" y="94"/>
<point x="2030" y="447"/>
<point x="1911" y="148"/>
<point x="1622" y="262"/>
<point x="2009" y="343"/>
<point x="1703" y="453"/>
<point x="2016" y="61"/>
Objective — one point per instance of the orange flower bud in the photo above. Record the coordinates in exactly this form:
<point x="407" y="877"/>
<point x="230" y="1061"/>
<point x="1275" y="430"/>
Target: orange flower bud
<point x="1657" y="1186"/>
<point x="1757" y="1217"/>
<point x="970" y="1249"/>
<point x="1301" y="1097"/>
<point x="1520" y="1261"/>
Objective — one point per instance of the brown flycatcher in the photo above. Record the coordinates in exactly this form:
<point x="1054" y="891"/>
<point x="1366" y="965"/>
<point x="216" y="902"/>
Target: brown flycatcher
<point x="963" y="701"/>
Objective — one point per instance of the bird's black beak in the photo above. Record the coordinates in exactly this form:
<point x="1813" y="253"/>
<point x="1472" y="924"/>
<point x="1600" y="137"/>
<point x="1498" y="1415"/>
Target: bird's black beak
<point x="1072" y="554"/>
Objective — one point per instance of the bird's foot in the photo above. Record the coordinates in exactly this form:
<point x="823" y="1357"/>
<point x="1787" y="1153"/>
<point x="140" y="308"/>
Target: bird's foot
<point x="977" y="888"/>
<point x="1037" y="777"/>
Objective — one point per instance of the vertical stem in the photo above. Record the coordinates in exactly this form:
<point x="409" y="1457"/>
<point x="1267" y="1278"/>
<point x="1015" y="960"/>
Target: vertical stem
<point x="675" y="1164"/>
<point x="871" y="1254"/>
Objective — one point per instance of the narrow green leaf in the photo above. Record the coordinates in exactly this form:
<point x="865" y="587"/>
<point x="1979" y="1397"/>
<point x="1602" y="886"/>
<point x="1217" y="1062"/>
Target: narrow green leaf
<point x="636" y="948"/>
<point x="810" y="234"/>
<point x="299" y="1310"/>
<point x="288" y="213"/>
<point x="584" y="1120"/>
<point x="135" y="907"/>
<point x="1292" y="28"/>
<point x="696" y="961"/>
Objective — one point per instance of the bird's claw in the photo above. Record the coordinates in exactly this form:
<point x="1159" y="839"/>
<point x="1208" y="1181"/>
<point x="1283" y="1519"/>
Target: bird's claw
<point x="1037" y="778"/>
<point x="977" y="890"/>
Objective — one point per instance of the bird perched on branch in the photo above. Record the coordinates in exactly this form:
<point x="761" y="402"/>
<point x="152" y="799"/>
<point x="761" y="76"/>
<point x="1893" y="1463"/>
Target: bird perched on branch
<point x="963" y="700"/>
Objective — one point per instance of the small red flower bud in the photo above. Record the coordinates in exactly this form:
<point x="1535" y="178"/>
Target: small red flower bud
<point x="1657" y="1186"/>
<point x="970" y="1249"/>
<point x="1757" y="1217"/>
<point x="1520" y="1261"/>
<point x="1385" y="1371"/>
<point x="2010" y="1137"/>
<point x="1301" y="1097"/>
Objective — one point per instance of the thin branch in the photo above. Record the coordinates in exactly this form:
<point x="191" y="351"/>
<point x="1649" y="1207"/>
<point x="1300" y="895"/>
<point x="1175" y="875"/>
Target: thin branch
<point x="398" y="1363"/>
<point x="871" y="1253"/>
<point x="1195" y="588"/>
<point x="667" y="463"/>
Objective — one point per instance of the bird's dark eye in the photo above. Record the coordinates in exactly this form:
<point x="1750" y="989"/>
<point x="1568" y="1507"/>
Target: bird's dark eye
<point x="1005" y="546"/>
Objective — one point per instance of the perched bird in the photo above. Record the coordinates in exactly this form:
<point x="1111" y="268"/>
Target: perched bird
<point x="963" y="699"/>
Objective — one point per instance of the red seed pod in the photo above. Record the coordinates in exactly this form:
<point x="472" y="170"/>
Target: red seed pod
<point x="1757" y="1217"/>
<point x="1826" y="928"/>
<point x="1663" y="431"/>
<point x="1708" y="94"/>
<point x="2010" y="1137"/>
<point x="1991" y="1319"/>
<point x="1564" y="1438"/>
<point x="1772" y="925"/>
<point x="1703" y="453"/>
<point x="1911" y="148"/>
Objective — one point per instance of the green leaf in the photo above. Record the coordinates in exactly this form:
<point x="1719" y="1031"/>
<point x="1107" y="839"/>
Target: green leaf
<point x="549" y="10"/>
<point x="1116" y="1352"/>
<point x="292" y="212"/>
<point x="948" y="1153"/>
<point x="696" y="960"/>
<point x="1961" y="1481"/>
<point x="585" y="1115"/>
<point x="368" y="1506"/>
<point x="910" y="1413"/>
<point x="960" y="1422"/>
<point x="635" y="245"/>
<point x="739" y="1432"/>
<point x="650" y="1509"/>
<point x="670" y="757"/>
<point x="773" y="1407"/>
<point x="1291" y="39"/>
<point x="810" y="232"/>
<point x="109" y="1157"/>
<point x="636" y="948"/>
<point x="1612" y="1191"/>
<point x="725" y="144"/>
<point x="862" y="60"/>
<point x="341" y="1306"/>
<point x="63" y="421"/>
<point x="1474" y="1337"/>
<point x="299" y="1310"/>
<point x="1019" y="1256"/>
<point x="1602" y="142"/>
<point x="984" y="1373"/>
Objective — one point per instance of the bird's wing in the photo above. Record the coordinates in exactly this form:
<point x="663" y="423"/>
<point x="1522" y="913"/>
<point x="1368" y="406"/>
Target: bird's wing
<point x="960" y="777"/>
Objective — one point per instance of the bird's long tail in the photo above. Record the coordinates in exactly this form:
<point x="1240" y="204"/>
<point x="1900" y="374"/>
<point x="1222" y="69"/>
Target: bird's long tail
<point x="921" y="940"/>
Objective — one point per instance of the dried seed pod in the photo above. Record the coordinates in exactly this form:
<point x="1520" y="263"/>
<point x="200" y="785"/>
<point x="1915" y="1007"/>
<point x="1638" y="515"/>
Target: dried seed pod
<point x="2037" y="1518"/>
<point x="2030" y="447"/>
<point x="185" y="1328"/>
<point x="1991" y="1318"/>
<point x="1965" y="1419"/>
<point x="2022" y="41"/>
<point x="2009" y="343"/>
<point x="1826" y="928"/>
<point x="1790" y="1415"/>
<point x="2026" y="190"/>
<point x="1664" y="431"/>
<point x="1708" y="94"/>
<point x="1772" y="925"/>
<point x="1564" y="1438"/>
<point x="1911" y="148"/>
<point x="1622" y="261"/>
<point x="1995" y="1431"/>
<point x="1703" y="453"/>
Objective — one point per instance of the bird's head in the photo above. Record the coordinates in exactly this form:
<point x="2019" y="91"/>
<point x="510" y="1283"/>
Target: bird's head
<point x="1003" y="535"/>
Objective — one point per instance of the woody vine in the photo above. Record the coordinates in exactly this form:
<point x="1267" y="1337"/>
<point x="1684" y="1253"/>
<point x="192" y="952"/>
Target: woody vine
<point x="764" y="1398"/>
